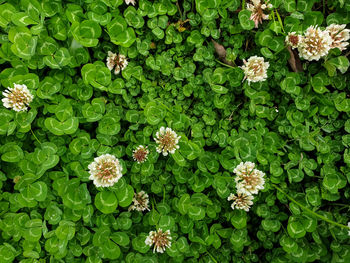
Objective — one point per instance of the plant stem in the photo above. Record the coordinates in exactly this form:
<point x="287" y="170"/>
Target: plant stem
<point x="324" y="7"/>
<point x="165" y="107"/>
<point x="178" y="7"/>
<point x="309" y="210"/>
<point x="36" y="138"/>
<point x="280" y="20"/>
<point x="218" y="61"/>
<point x="243" y="4"/>
<point x="212" y="257"/>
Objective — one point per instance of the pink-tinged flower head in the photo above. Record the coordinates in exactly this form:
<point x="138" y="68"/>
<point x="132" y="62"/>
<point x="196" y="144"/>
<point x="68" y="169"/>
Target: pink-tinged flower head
<point x="248" y="180"/>
<point x="17" y="98"/>
<point x="294" y="40"/>
<point x="118" y="62"/>
<point x="258" y="8"/>
<point x="105" y="170"/>
<point x="161" y="240"/>
<point x="140" y="202"/>
<point x="255" y="69"/>
<point x="316" y="44"/>
<point x="339" y="36"/>
<point x="167" y="141"/>
<point x="140" y="154"/>
<point x="241" y="201"/>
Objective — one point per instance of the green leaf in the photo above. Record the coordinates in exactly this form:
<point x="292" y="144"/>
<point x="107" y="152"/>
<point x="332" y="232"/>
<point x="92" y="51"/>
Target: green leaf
<point x="196" y="212"/>
<point x="106" y="202"/>
<point x="244" y="19"/>
<point x="125" y="195"/>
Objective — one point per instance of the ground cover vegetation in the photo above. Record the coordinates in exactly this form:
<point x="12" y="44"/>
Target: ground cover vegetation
<point x="174" y="131"/>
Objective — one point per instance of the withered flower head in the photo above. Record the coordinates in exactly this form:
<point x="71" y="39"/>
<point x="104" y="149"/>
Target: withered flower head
<point x="257" y="8"/>
<point x="160" y="239"/>
<point x="140" y="202"/>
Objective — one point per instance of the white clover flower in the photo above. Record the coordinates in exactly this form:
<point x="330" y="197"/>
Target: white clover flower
<point x="118" y="61"/>
<point x="167" y="141"/>
<point x="349" y="228"/>
<point x="241" y="201"/>
<point x="255" y="69"/>
<point x="339" y="36"/>
<point x="128" y="2"/>
<point x="248" y="180"/>
<point x="316" y="44"/>
<point x="294" y="40"/>
<point x="17" y="98"/>
<point x="105" y="170"/>
<point x="257" y="8"/>
<point x="140" y="202"/>
<point x="140" y="154"/>
<point x="160" y="239"/>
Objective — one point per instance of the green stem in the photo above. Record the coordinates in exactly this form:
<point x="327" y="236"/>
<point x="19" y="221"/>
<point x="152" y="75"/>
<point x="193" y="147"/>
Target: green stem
<point x="309" y="210"/>
<point x="165" y="107"/>
<point x="36" y="138"/>
<point x="243" y="4"/>
<point x="178" y="7"/>
<point x="280" y="21"/>
<point x="212" y="257"/>
<point x="218" y="61"/>
<point x="324" y="7"/>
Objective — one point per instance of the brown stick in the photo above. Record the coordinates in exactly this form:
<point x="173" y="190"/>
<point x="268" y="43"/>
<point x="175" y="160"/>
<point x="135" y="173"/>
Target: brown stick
<point x="294" y="60"/>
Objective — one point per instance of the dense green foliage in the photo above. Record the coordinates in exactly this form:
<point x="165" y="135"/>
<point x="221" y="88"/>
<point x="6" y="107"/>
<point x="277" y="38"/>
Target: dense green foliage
<point x="295" y="126"/>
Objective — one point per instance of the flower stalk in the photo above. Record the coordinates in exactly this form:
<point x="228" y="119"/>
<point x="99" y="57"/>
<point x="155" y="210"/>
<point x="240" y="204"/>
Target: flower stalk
<point x="308" y="210"/>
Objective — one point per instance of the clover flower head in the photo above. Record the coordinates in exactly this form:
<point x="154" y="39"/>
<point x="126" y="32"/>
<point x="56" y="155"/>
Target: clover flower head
<point x="17" y="98"/>
<point x="349" y="228"/>
<point x="248" y="180"/>
<point x="105" y="170"/>
<point x="294" y="40"/>
<point x="257" y="8"/>
<point x="339" y="36"/>
<point x="161" y="240"/>
<point x="128" y="2"/>
<point x="140" y="154"/>
<point x="255" y="69"/>
<point x="316" y="44"/>
<point x="118" y="62"/>
<point x="167" y="141"/>
<point x="241" y="201"/>
<point x="140" y="202"/>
